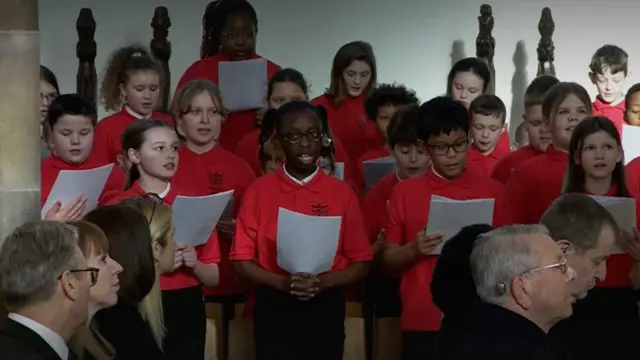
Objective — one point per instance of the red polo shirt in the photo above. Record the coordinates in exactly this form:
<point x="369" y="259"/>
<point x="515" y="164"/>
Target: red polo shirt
<point x="483" y="164"/>
<point x="509" y="162"/>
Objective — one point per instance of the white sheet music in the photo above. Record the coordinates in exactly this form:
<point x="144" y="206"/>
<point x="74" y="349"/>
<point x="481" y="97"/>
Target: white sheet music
<point x="339" y="173"/>
<point x="195" y="217"/>
<point x="630" y="142"/>
<point x="305" y="243"/>
<point x="72" y="183"/>
<point x="448" y="216"/>
<point x="623" y="211"/>
<point x="243" y="84"/>
<point x="376" y="169"/>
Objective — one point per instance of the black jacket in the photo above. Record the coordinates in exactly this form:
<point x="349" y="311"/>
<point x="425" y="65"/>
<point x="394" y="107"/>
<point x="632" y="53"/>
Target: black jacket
<point x="18" y="342"/>
<point x="495" y="333"/>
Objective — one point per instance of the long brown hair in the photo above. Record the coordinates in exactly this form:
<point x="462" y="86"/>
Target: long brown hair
<point x="575" y="177"/>
<point x="348" y="53"/>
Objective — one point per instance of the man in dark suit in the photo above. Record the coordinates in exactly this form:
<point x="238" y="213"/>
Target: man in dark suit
<point x="522" y="280"/>
<point x="45" y="284"/>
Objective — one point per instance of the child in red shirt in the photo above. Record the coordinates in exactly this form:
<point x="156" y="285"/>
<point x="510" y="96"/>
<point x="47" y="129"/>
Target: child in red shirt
<point x="608" y="72"/>
<point x="444" y="129"/>
<point x="412" y="160"/>
<point x="151" y="147"/>
<point x="632" y="106"/>
<point x="597" y="168"/>
<point x="532" y="186"/>
<point x="131" y="88"/>
<point x="72" y="120"/>
<point x="488" y="115"/>
<point x="379" y="106"/>
<point x="353" y="77"/>
<point x="206" y="168"/>
<point x="298" y="316"/>
<point x="537" y="131"/>
<point x="231" y="29"/>
<point x="468" y="79"/>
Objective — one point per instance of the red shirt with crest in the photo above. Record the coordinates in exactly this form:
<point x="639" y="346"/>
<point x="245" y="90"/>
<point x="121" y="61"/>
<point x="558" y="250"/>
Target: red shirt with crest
<point x="409" y="214"/>
<point x="615" y="113"/>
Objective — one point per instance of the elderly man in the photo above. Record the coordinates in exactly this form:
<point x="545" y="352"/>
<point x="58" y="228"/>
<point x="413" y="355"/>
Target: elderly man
<point x="522" y="279"/>
<point x="45" y="283"/>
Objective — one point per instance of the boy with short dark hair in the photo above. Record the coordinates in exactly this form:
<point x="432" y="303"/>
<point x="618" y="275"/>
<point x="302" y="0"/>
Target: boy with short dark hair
<point x="444" y="130"/>
<point x="608" y="71"/>
<point x="539" y="136"/>
<point x="488" y="115"/>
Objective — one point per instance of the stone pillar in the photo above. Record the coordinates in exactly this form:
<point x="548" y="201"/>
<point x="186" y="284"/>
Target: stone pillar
<point x="19" y="114"/>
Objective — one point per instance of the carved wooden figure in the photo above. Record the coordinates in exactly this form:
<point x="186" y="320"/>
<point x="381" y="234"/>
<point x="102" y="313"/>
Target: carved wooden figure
<point x="86" y="51"/>
<point x="161" y="49"/>
<point x="486" y="43"/>
<point x="546" y="49"/>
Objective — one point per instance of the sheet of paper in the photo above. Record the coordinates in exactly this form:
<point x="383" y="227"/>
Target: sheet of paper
<point x="305" y="243"/>
<point x="71" y="183"/>
<point x="448" y="216"/>
<point x="243" y="84"/>
<point x="339" y="173"/>
<point x="195" y="217"/>
<point x="376" y="169"/>
<point x="630" y="142"/>
<point x="623" y="211"/>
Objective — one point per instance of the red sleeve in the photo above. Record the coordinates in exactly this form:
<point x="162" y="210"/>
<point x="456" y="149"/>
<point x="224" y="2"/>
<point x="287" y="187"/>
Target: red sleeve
<point x="517" y="190"/>
<point x="395" y="220"/>
<point x="245" y="178"/>
<point x="114" y="185"/>
<point x="209" y="253"/>
<point x="102" y="142"/>
<point x="502" y="170"/>
<point x="247" y="150"/>
<point x="371" y="214"/>
<point x="502" y="214"/>
<point x="355" y="245"/>
<point x="244" y="242"/>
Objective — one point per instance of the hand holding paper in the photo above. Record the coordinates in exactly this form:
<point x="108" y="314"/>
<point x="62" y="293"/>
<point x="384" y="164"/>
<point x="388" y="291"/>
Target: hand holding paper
<point x="448" y="217"/>
<point x="195" y="217"/>
<point x="70" y="212"/>
<point x="426" y="244"/>
<point x="305" y="243"/>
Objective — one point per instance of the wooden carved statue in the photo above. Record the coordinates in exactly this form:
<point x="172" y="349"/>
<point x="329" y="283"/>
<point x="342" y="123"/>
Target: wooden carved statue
<point x="486" y="43"/>
<point x="546" y="49"/>
<point x="86" y="51"/>
<point x="161" y="50"/>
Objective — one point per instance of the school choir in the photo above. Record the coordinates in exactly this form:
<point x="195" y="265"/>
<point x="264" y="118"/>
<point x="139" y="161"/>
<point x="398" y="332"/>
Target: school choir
<point x="286" y="156"/>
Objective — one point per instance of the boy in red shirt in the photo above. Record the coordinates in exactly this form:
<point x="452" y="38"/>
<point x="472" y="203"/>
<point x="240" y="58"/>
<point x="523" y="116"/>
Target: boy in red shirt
<point x="488" y="115"/>
<point x="608" y="72"/>
<point x="537" y="131"/>
<point x="444" y="129"/>
<point x="380" y="106"/>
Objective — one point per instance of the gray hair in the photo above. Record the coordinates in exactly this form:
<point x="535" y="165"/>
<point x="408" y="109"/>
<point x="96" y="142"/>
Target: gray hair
<point x="499" y="256"/>
<point x="32" y="258"/>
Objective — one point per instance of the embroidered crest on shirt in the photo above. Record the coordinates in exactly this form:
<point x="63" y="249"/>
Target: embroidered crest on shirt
<point x="319" y="209"/>
<point x="215" y="182"/>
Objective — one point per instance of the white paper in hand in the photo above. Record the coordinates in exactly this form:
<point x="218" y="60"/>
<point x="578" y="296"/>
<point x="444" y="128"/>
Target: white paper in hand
<point x="630" y="142"/>
<point x="195" y="217"/>
<point x="449" y="216"/>
<point x="623" y="211"/>
<point x="72" y="183"/>
<point x="305" y="243"/>
<point x="243" y="84"/>
<point x="376" y="169"/>
<point x="339" y="173"/>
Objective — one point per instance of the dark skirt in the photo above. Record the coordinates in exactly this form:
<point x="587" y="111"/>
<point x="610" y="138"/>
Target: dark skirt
<point x="286" y="328"/>
<point x="419" y="345"/>
<point x="185" y="321"/>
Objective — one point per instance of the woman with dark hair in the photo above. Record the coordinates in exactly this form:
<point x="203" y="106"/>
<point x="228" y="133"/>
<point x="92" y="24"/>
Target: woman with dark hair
<point x="452" y="287"/>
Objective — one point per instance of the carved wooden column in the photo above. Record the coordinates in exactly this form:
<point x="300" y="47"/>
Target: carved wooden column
<point x="86" y="51"/>
<point x="486" y="43"/>
<point x="161" y="49"/>
<point x="19" y="116"/>
<point x="546" y="49"/>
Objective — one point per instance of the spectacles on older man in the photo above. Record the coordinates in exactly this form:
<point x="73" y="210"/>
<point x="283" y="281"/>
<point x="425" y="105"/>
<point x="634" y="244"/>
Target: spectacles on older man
<point x="561" y="265"/>
<point x="93" y="273"/>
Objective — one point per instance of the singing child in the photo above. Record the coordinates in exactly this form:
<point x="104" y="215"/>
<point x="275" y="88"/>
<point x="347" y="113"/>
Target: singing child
<point x="298" y="316"/>
<point x="488" y="115"/>
<point x="608" y="71"/>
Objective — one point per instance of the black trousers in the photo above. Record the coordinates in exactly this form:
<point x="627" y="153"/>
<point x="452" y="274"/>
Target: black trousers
<point x="419" y="345"/>
<point x="384" y="293"/>
<point x="286" y="328"/>
<point x="185" y="321"/>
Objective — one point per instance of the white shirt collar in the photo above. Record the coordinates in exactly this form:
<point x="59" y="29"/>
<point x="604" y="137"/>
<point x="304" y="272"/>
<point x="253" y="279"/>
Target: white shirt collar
<point x="133" y="113"/>
<point x="54" y="340"/>
<point x="303" y="181"/>
<point x="164" y="193"/>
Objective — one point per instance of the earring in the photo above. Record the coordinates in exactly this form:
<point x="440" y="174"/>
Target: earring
<point x="326" y="141"/>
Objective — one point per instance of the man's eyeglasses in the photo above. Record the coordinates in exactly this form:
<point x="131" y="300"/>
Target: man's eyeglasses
<point x="296" y="137"/>
<point x="93" y="273"/>
<point x="562" y="265"/>
<point x="443" y="149"/>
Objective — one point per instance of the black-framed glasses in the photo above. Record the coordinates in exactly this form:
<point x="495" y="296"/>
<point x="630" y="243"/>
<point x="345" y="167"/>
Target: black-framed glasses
<point x="443" y="149"/>
<point x="93" y="273"/>
<point x="295" y="137"/>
